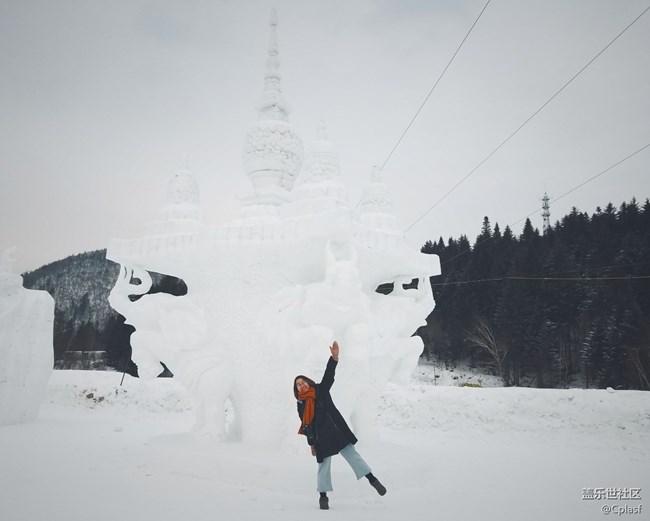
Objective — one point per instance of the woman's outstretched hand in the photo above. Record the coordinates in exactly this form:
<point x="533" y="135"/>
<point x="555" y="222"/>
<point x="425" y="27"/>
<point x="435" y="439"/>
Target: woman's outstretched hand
<point x="334" y="349"/>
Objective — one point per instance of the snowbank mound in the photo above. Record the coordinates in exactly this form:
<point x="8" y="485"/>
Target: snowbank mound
<point x="593" y="418"/>
<point x="26" y="351"/>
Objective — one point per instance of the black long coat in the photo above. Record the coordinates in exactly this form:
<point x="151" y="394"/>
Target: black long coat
<point x="331" y="432"/>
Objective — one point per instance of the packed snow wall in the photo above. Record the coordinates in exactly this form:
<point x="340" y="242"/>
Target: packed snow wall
<point x="257" y="314"/>
<point x="26" y="349"/>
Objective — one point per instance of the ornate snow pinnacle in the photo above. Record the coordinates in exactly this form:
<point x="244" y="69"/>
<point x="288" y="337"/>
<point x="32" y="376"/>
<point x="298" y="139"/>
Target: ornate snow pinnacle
<point x="375" y="177"/>
<point x="183" y="197"/>
<point x="321" y="161"/>
<point x="183" y="188"/>
<point x="273" y="150"/>
<point x="181" y="213"/>
<point x="272" y="104"/>
<point x="272" y="63"/>
<point x="376" y="198"/>
<point x="376" y="206"/>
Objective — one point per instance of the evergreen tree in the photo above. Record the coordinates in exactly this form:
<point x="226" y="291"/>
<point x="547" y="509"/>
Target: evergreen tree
<point x="559" y="305"/>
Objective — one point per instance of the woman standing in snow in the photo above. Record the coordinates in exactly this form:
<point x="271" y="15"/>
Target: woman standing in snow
<point x="326" y="431"/>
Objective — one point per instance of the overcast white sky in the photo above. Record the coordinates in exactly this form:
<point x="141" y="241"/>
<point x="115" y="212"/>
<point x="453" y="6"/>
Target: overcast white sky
<point x="101" y="100"/>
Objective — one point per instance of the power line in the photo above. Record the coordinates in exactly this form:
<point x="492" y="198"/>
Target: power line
<point x="435" y="85"/>
<point x="624" y="277"/>
<point x="527" y="120"/>
<point x="559" y="197"/>
<point x="546" y="279"/>
<point x="585" y="182"/>
<point x="598" y="268"/>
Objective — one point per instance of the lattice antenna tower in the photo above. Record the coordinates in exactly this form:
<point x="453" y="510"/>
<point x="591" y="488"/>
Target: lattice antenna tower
<point x="546" y="213"/>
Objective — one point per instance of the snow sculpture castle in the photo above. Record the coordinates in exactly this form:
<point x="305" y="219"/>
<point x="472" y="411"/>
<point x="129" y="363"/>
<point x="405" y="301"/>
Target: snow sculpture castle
<point x="269" y="291"/>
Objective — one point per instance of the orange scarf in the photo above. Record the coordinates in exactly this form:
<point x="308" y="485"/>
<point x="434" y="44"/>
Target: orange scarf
<point x="308" y="412"/>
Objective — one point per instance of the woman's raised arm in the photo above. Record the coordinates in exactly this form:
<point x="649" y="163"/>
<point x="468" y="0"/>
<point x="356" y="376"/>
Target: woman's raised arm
<point x="328" y="378"/>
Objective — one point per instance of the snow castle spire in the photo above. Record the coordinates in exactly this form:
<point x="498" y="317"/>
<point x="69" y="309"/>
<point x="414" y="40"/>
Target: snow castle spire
<point x="272" y="104"/>
<point x="376" y="206"/>
<point x="273" y="150"/>
<point x="319" y="187"/>
<point x="181" y="212"/>
<point x="321" y="160"/>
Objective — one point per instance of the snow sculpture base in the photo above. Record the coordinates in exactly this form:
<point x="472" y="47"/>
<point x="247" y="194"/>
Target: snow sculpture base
<point x="264" y="301"/>
<point x="268" y="292"/>
<point x="26" y="349"/>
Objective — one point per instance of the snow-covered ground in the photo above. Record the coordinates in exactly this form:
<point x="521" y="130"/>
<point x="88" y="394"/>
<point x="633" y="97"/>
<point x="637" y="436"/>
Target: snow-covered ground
<point x="461" y="375"/>
<point x="104" y="452"/>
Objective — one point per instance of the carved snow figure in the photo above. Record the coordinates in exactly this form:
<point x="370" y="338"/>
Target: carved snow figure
<point x="268" y="291"/>
<point x="26" y="349"/>
<point x="174" y="330"/>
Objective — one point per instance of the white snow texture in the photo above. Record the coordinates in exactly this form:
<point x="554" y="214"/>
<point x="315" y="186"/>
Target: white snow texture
<point x="269" y="291"/>
<point x="445" y="454"/>
<point x="26" y="351"/>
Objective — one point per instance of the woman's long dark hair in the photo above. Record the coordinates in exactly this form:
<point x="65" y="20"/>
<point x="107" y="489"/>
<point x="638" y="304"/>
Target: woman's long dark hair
<point x="308" y="380"/>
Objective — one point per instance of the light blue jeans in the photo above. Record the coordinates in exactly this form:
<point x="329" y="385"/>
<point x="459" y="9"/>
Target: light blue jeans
<point x="359" y="466"/>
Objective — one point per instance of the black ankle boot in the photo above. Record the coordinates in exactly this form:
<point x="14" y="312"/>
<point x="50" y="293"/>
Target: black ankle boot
<point x="323" y="501"/>
<point x="376" y="484"/>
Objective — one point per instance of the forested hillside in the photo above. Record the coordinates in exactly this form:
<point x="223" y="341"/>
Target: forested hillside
<point x="88" y="333"/>
<point x="570" y="306"/>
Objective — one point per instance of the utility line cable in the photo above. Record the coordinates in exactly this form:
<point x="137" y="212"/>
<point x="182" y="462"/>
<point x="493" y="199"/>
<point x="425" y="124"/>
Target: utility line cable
<point x="435" y="85"/>
<point x="528" y="120"/>
<point x="598" y="268"/>
<point x="551" y="279"/>
<point x="584" y="182"/>
<point x="557" y="198"/>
